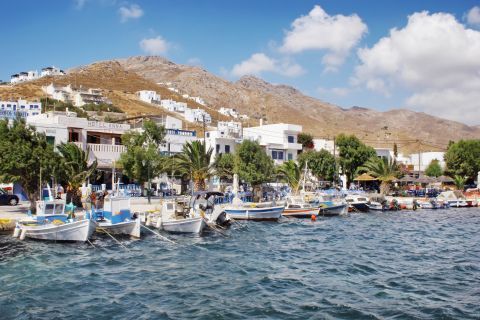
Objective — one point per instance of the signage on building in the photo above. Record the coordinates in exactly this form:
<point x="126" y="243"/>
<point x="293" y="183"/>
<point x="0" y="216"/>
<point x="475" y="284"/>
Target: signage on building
<point x="8" y="114"/>
<point x="107" y="125"/>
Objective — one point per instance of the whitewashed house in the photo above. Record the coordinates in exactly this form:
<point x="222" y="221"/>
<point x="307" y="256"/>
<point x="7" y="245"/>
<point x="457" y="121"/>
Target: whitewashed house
<point x="197" y="115"/>
<point x="225" y="139"/>
<point x="279" y="140"/>
<point x="19" y="108"/>
<point x="198" y="100"/>
<point x="149" y="96"/>
<point x="51" y="71"/>
<point x="81" y="98"/>
<point x="173" y="106"/>
<point x="323" y="144"/>
<point x="229" y="112"/>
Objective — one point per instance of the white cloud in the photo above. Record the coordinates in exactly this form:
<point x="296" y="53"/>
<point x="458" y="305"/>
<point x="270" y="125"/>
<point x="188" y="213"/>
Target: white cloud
<point x="130" y="12"/>
<point x="260" y="62"/>
<point x="473" y="16"/>
<point x="435" y="58"/>
<point x="336" y="34"/>
<point x="155" y="46"/>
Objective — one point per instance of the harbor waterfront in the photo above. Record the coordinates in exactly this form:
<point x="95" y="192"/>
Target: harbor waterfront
<point x="406" y="265"/>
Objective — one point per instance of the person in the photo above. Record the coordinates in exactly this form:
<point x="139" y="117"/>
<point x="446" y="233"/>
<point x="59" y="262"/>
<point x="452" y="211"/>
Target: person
<point x="59" y="191"/>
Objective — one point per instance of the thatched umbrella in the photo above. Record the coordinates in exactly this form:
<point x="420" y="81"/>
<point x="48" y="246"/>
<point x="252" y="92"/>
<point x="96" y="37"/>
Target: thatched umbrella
<point x="445" y="179"/>
<point x="365" y="177"/>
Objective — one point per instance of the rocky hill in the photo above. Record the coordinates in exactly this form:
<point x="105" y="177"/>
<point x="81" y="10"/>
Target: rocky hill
<point x="120" y="79"/>
<point x="279" y="103"/>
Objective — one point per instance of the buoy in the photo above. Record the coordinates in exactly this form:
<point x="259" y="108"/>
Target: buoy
<point x="16" y="231"/>
<point x="23" y="234"/>
<point x="314" y="217"/>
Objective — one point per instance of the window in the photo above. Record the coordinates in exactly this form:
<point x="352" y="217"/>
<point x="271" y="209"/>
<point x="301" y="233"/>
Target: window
<point x="208" y="134"/>
<point x="73" y="136"/>
<point x="290" y="156"/>
<point x="291" y="139"/>
<point x="51" y="140"/>
<point x="93" y="139"/>
<point x="217" y="148"/>
<point x="227" y="149"/>
<point x="118" y="140"/>
<point x="22" y="107"/>
<point x="277" y="155"/>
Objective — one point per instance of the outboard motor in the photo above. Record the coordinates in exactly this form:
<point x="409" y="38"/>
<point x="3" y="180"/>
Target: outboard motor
<point x="222" y="220"/>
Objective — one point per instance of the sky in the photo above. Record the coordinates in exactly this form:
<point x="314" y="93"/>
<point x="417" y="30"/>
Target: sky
<point x="420" y="55"/>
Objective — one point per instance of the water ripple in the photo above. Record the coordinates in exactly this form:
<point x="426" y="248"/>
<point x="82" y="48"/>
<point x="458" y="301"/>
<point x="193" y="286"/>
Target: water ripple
<point x="404" y="265"/>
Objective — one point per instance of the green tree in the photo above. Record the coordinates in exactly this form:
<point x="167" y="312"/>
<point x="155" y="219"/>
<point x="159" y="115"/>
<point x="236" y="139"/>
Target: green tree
<point x="26" y="158"/>
<point x="142" y="159"/>
<point x="321" y="163"/>
<point x="225" y="165"/>
<point x="463" y="158"/>
<point x="194" y="162"/>
<point x="395" y="151"/>
<point x="352" y="155"/>
<point x="306" y="140"/>
<point x="253" y="165"/>
<point x="384" y="170"/>
<point x="75" y="169"/>
<point x="434" y="169"/>
<point x="290" y="173"/>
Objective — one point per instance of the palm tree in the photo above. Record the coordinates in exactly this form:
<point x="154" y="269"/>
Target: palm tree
<point x="291" y="173"/>
<point x="459" y="182"/>
<point x="194" y="162"/>
<point x="384" y="170"/>
<point x="75" y="169"/>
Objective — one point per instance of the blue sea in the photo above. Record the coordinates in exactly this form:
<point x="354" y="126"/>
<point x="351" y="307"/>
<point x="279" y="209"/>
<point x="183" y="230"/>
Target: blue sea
<point x="398" y="265"/>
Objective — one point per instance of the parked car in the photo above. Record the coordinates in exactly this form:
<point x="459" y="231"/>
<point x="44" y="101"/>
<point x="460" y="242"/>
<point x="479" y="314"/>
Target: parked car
<point x="8" y="199"/>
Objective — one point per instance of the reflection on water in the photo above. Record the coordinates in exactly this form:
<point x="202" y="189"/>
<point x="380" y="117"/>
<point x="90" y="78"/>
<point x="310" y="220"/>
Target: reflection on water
<point x="423" y="264"/>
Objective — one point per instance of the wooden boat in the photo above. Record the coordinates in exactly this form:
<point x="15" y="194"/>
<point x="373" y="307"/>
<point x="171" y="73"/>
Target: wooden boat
<point x="173" y="218"/>
<point x="254" y="211"/>
<point x="51" y="223"/>
<point x="116" y="218"/>
<point x="333" y="209"/>
<point x="297" y="208"/>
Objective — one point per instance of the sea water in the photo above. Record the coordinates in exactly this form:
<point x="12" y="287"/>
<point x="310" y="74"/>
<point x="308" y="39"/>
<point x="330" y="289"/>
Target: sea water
<point x="394" y="265"/>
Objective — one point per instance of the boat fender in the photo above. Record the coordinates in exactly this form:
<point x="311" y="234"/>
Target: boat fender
<point x="23" y="234"/>
<point x="16" y="231"/>
<point x="148" y="223"/>
<point x="159" y="222"/>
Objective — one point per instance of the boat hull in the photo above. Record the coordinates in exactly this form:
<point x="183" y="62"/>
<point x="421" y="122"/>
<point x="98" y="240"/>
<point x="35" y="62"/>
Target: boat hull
<point x="256" y="214"/>
<point x="300" y="213"/>
<point x="358" y="207"/>
<point x="74" y="231"/>
<point x="334" y="210"/>
<point x="188" y="225"/>
<point x="131" y="228"/>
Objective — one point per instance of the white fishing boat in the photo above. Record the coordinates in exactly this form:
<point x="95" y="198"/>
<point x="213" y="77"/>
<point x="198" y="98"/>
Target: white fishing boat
<point x="205" y="203"/>
<point x="254" y="211"/>
<point x="297" y="208"/>
<point x="116" y="218"/>
<point x="453" y="198"/>
<point x="173" y="218"/>
<point x="357" y="203"/>
<point x="51" y="223"/>
<point x="329" y="206"/>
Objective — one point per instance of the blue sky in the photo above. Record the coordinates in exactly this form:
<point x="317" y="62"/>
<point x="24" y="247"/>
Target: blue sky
<point x="335" y="53"/>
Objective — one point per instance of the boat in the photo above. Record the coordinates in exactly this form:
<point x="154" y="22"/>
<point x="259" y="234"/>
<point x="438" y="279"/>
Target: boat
<point x="329" y="206"/>
<point x="454" y="199"/>
<point x="51" y="223"/>
<point x="116" y="218"/>
<point x="174" y="218"/>
<point x="297" y="208"/>
<point x="357" y="203"/>
<point x="205" y="203"/>
<point x="254" y="211"/>
<point x="433" y="204"/>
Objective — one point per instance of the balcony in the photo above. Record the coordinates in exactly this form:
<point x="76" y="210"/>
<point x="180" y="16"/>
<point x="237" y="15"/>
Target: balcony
<point x="104" y="153"/>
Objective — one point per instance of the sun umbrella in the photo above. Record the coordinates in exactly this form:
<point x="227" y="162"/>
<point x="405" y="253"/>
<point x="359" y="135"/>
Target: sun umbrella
<point x="365" y="177"/>
<point x="445" y="179"/>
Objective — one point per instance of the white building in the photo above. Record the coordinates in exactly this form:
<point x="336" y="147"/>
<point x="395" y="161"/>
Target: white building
<point x="51" y="71"/>
<point x="229" y="112"/>
<point x="221" y="142"/>
<point x="19" y="108"/>
<point x="173" y="106"/>
<point x="422" y="160"/>
<point x="149" y="96"/>
<point x="385" y="153"/>
<point x="175" y="139"/>
<point x="231" y="128"/>
<point x="198" y="100"/>
<point x="102" y="139"/>
<point x="81" y="98"/>
<point x="197" y="115"/>
<point x="323" y="144"/>
<point x="279" y="140"/>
